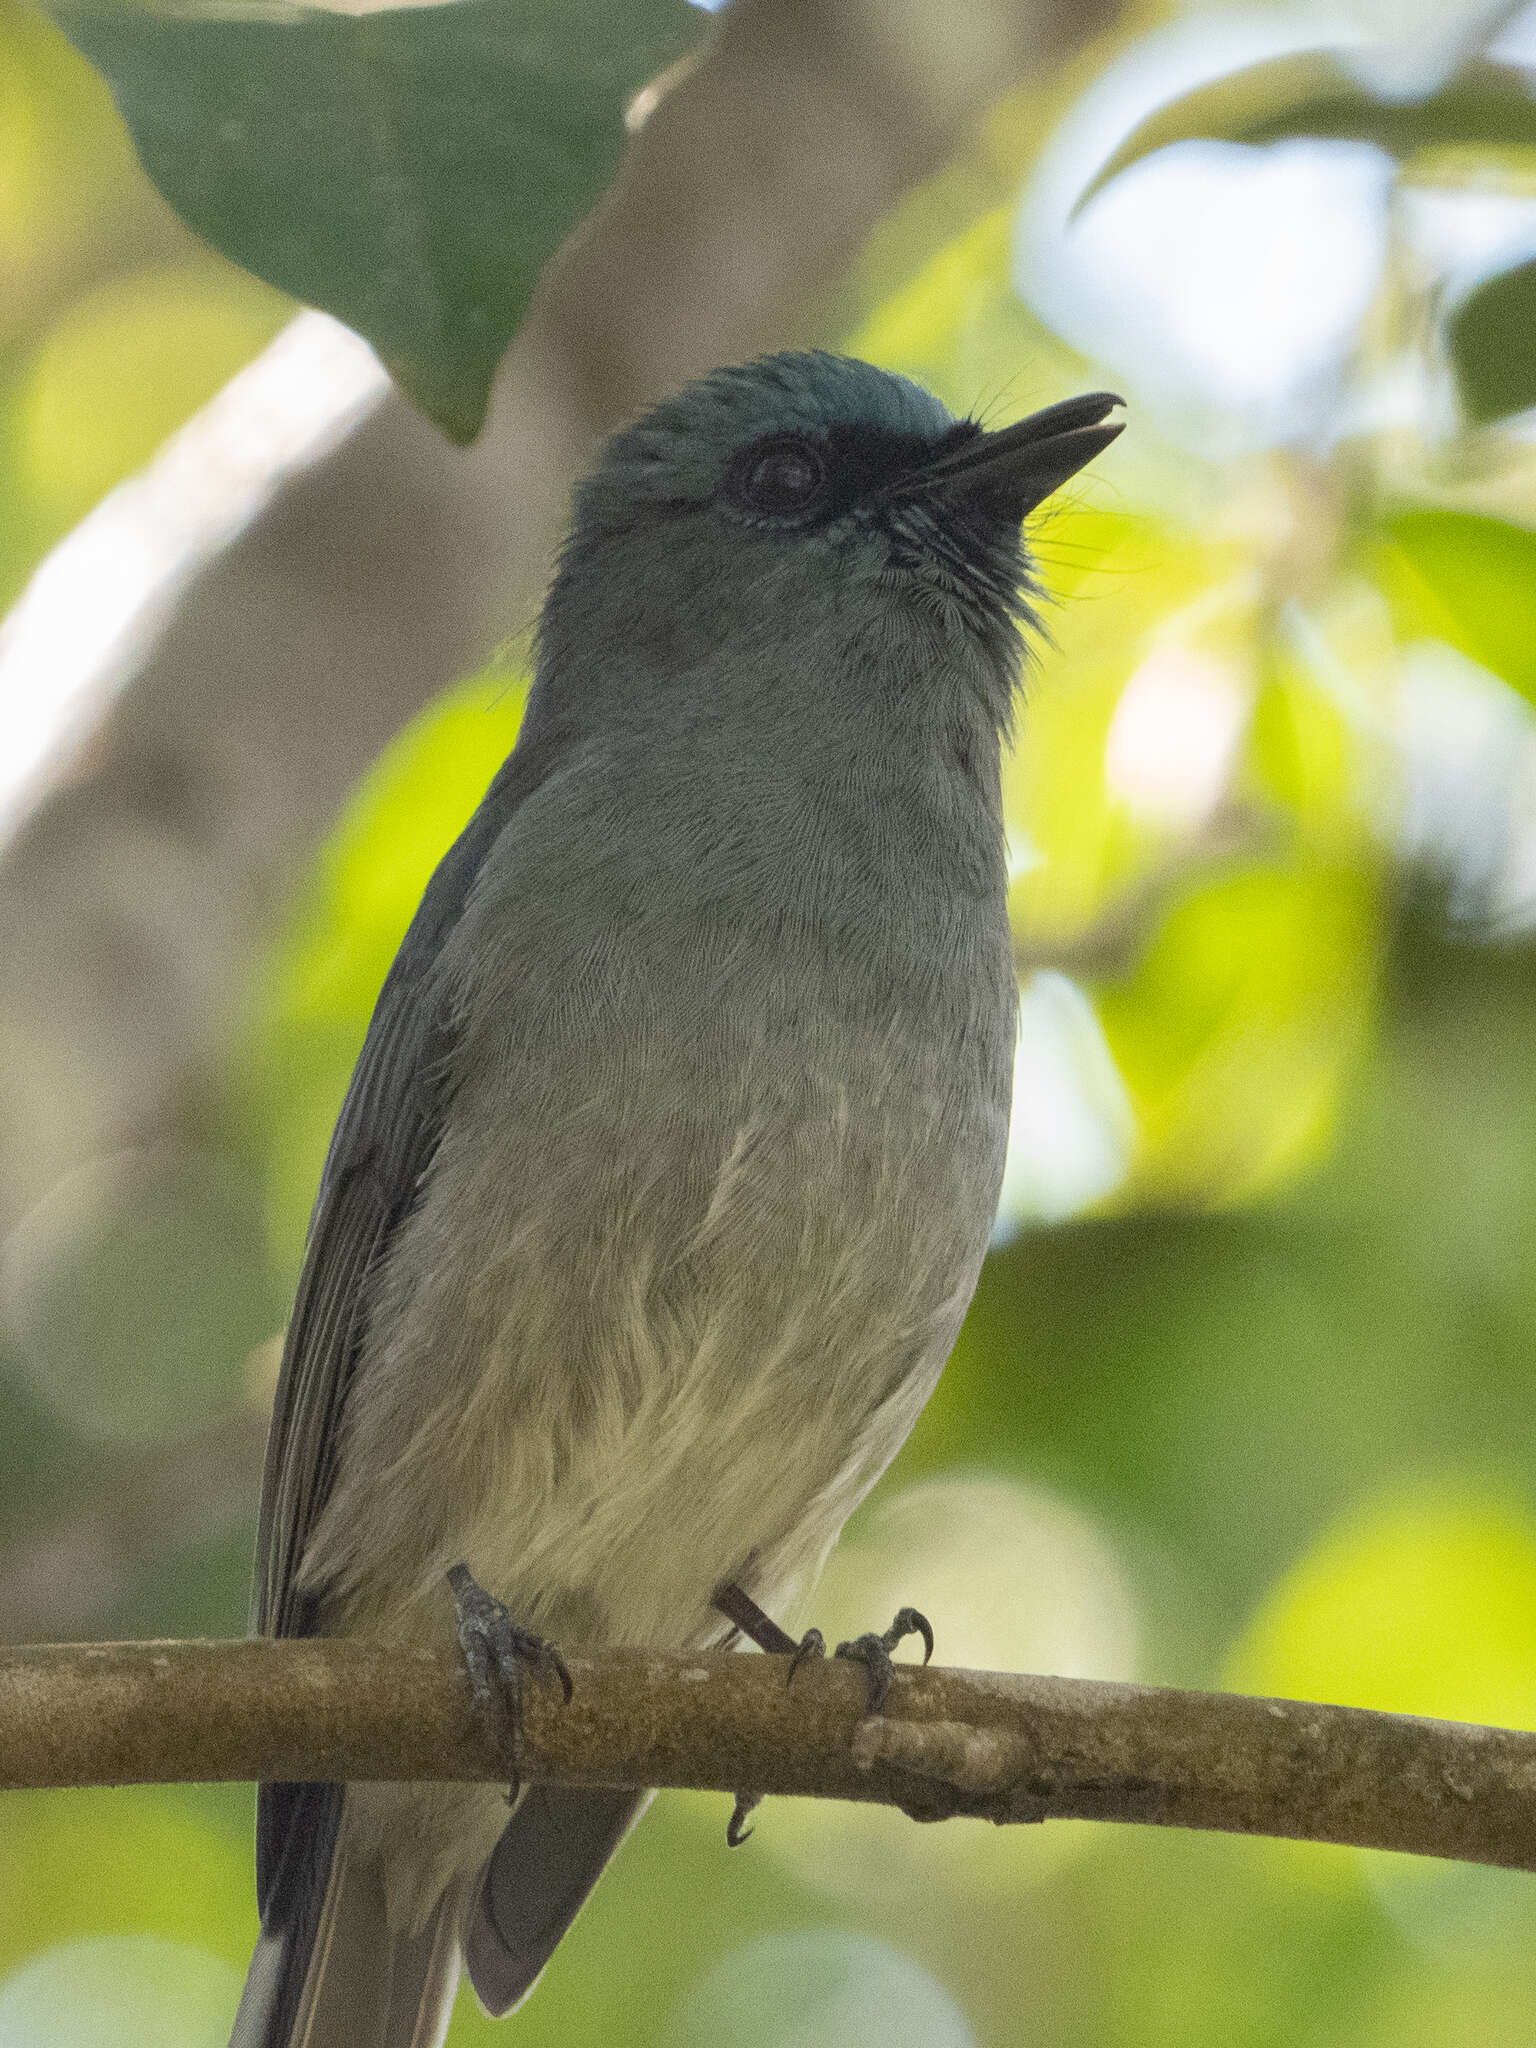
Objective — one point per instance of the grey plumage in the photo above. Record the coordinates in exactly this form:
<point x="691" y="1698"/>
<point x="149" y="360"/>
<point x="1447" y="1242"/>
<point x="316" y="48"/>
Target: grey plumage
<point x="664" y="1179"/>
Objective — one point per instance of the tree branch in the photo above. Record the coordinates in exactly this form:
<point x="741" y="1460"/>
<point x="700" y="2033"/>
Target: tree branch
<point x="990" y="1744"/>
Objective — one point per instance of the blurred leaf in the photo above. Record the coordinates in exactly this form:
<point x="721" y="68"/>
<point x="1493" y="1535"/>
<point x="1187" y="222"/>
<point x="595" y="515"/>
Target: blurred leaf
<point x="125" y="366"/>
<point x="119" y="1991"/>
<point x="1229" y="109"/>
<point x="1317" y="93"/>
<point x="1467" y="579"/>
<point x="826" y="1984"/>
<point x="1218" y="1387"/>
<point x="1235" y="1030"/>
<point x="1423" y="1603"/>
<point x="1332" y="669"/>
<point x="1490" y="337"/>
<point x="61" y="152"/>
<point x="1470" y="1984"/>
<point x="43" y="1456"/>
<point x="1189" y="792"/>
<point x="195" y="1583"/>
<point x="135" y="1290"/>
<point x="409" y="170"/>
<point x="129" y="1861"/>
<point x="1150" y="610"/>
<point x="1302" y="758"/>
<point x="959" y="327"/>
<point x="1203" y="1948"/>
<point x="319" y="991"/>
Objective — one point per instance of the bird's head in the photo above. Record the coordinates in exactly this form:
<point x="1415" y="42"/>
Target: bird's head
<point x="815" y="492"/>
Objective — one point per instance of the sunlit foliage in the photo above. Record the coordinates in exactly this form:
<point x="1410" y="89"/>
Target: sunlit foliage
<point x="1246" y="1394"/>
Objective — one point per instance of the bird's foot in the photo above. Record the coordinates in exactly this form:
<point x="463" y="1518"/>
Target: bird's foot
<point x="498" y="1652"/>
<point x="872" y="1651"/>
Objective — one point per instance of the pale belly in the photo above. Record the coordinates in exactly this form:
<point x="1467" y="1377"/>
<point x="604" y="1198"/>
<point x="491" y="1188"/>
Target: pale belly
<point x="745" y="1469"/>
<point x="685" y="1364"/>
<point x="678" y="1342"/>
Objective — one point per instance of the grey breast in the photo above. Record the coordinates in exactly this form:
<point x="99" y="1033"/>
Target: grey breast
<point x="723" y="1163"/>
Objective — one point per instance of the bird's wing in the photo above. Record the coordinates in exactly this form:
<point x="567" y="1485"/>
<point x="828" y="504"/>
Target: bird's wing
<point x="329" y="1970"/>
<point x="551" y="1853"/>
<point x="384" y="1141"/>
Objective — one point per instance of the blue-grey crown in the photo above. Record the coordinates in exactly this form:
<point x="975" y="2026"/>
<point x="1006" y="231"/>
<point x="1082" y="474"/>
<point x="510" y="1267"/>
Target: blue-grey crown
<point x="681" y="448"/>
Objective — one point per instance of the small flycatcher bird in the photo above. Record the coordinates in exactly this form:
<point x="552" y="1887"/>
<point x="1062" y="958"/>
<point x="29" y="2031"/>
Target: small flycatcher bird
<point x="672" y="1154"/>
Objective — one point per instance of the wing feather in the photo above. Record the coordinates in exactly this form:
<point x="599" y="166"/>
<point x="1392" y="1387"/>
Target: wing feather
<point x="383" y="1144"/>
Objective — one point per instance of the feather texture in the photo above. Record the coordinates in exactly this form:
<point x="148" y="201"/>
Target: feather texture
<point x="550" y="1855"/>
<point x="672" y="1154"/>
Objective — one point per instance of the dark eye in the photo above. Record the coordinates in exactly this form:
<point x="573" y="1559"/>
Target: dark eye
<point x="779" y="477"/>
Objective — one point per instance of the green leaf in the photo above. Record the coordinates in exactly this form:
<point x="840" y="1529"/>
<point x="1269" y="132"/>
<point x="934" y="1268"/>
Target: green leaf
<point x="1447" y="1574"/>
<point x="1489" y="336"/>
<point x="1467" y="579"/>
<point x="1317" y="93"/>
<point x="410" y="171"/>
<point x="324" y="977"/>
<point x="1238" y="1027"/>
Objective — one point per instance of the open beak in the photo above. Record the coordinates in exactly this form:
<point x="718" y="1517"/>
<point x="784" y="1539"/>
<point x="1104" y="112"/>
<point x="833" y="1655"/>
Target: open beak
<point x="1022" y="464"/>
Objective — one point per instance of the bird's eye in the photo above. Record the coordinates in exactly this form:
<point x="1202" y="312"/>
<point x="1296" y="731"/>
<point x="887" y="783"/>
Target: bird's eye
<point x="778" y="478"/>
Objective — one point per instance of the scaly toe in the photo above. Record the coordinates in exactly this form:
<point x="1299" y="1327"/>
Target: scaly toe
<point x="497" y="1651"/>
<point x="874" y="1652"/>
<point x="871" y="1651"/>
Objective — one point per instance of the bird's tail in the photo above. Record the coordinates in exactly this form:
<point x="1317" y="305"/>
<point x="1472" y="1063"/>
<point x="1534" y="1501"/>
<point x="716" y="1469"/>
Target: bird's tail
<point x="551" y="1853"/>
<point x="328" y="1972"/>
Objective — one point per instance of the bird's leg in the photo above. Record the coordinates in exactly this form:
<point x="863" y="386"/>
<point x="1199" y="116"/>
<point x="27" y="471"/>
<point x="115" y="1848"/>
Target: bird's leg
<point x="743" y="1612"/>
<point x="497" y="1652"/>
<point x="739" y="1607"/>
<point x="728" y="1599"/>
<point x="872" y="1651"/>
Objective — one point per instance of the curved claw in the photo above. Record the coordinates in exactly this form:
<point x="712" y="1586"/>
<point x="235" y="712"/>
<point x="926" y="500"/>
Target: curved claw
<point x="735" y="1832"/>
<point x="553" y="1658"/>
<point x="911" y="1622"/>
<point x="812" y="1644"/>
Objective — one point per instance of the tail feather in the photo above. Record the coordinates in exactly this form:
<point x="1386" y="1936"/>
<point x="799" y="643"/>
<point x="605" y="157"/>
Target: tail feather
<point x="329" y="1973"/>
<point x="295" y="1866"/>
<point x="551" y="1853"/>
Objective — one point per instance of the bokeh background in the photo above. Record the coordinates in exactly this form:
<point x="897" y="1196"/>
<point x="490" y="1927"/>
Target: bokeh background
<point x="1246" y="1395"/>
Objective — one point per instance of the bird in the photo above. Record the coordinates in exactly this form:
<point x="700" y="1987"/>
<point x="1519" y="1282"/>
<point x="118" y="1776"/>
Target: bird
<point x="668" y="1166"/>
